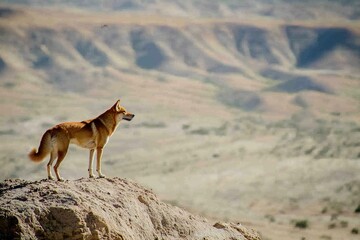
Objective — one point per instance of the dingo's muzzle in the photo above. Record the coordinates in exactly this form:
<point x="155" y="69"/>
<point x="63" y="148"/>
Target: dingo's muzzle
<point x="128" y="116"/>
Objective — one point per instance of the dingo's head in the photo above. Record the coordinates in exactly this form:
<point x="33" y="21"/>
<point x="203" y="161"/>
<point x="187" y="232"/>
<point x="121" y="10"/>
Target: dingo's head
<point x="121" y="112"/>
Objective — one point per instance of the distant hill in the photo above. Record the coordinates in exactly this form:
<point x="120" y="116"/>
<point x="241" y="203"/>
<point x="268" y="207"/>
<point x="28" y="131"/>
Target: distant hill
<point x="292" y="57"/>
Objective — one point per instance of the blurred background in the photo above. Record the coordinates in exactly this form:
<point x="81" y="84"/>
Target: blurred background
<point x="246" y="111"/>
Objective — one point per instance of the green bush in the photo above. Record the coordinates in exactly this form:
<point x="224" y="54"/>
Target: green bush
<point x="302" y="224"/>
<point x="357" y="210"/>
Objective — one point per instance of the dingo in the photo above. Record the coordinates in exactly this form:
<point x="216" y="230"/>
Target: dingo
<point x="92" y="134"/>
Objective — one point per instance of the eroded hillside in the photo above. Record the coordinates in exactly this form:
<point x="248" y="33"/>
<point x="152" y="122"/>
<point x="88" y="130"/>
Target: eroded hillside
<point x="73" y="50"/>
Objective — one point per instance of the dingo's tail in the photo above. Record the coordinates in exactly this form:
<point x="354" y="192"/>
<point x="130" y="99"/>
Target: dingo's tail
<point x="44" y="148"/>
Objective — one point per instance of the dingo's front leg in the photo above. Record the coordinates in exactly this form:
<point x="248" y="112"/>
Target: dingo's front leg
<point x="99" y="151"/>
<point x="91" y="157"/>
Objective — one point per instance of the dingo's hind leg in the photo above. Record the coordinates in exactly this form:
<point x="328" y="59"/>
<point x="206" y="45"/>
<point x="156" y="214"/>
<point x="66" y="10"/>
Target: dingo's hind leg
<point x="61" y="156"/>
<point x="53" y="155"/>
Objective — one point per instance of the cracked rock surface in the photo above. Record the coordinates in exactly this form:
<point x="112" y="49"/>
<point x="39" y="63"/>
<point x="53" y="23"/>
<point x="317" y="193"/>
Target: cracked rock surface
<point x="100" y="209"/>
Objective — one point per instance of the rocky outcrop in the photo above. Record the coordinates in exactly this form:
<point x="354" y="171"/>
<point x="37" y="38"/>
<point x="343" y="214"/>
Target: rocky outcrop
<point x="100" y="209"/>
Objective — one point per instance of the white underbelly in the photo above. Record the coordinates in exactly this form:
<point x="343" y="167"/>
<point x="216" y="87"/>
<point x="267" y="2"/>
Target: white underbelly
<point x="85" y="144"/>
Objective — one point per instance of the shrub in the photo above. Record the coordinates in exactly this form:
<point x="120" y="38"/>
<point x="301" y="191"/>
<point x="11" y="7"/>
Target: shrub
<point x="357" y="210"/>
<point x="271" y="218"/>
<point x="301" y="224"/>
<point x="344" y="224"/>
<point x="332" y="225"/>
<point x="200" y="131"/>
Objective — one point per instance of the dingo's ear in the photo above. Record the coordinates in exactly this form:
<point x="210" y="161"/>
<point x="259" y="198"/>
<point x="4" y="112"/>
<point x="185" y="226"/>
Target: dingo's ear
<point x="117" y="106"/>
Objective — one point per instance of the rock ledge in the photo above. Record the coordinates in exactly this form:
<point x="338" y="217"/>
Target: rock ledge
<point x="110" y="208"/>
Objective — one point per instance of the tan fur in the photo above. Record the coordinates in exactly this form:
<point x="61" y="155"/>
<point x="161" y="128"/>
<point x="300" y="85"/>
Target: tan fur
<point x="92" y="134"/>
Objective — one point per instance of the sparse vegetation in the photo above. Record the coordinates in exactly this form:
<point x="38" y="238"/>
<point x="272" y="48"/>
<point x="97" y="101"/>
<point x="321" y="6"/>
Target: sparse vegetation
<point x="325" y="237"/>
<point x="153" y="124"/>
<point x="302" y="224"/>
<point x="332" y="225"/>
<point x="185" y="126"/>
<point x="9" y="85"/>
<point x="219" y="131"/>
<point x="324" y="210"/>
<point x="7" y="132"/>
<point x="344" y="224"/>
<point x="357" y="210"/>
<point x="270" y="217"/>
<point x="200" y="131"/>
<point x="318" y="138"/>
